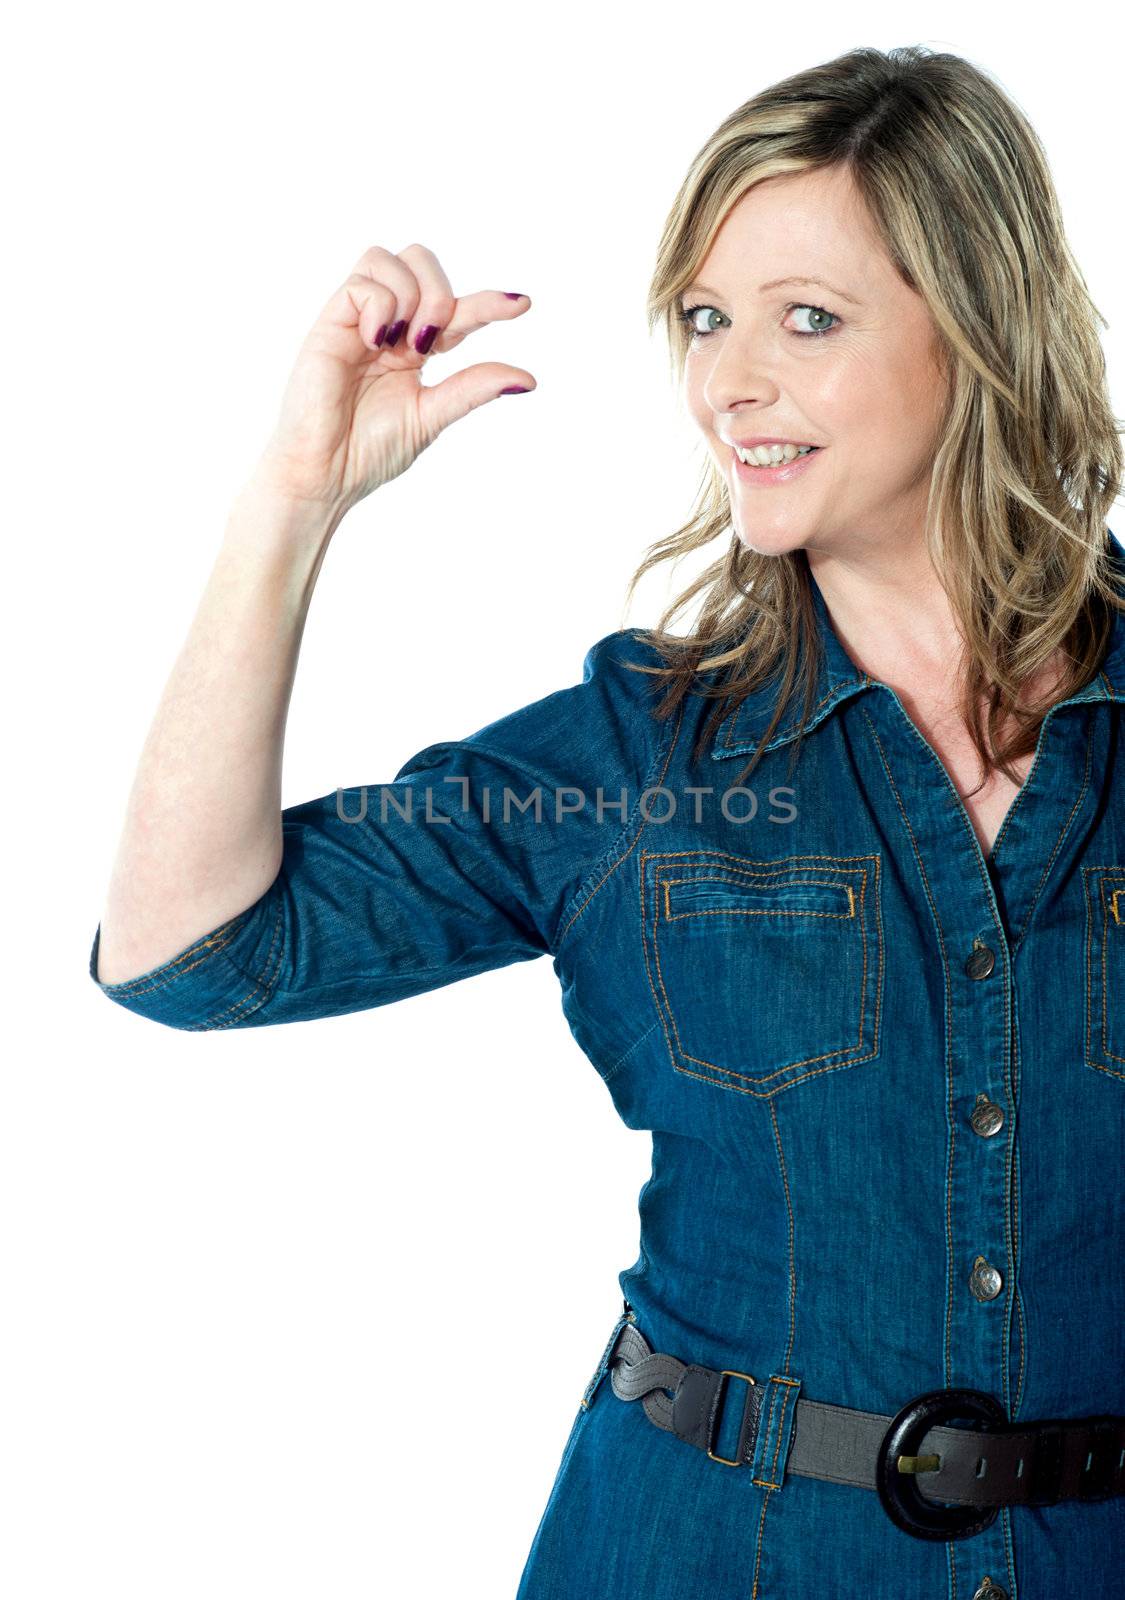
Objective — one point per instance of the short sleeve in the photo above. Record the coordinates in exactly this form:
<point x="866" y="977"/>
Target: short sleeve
<point x="463" y="862"/>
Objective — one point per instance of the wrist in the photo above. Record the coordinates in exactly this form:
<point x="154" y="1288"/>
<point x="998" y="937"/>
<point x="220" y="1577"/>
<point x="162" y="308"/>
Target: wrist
<point x="271" y="503"/>
<point x="278" y="538"/>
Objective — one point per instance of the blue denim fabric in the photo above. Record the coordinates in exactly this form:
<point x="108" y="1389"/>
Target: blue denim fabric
<point x="796" y="998"/>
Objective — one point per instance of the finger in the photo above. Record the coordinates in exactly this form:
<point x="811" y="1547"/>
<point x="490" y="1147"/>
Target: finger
<point x="440" y="404"/>
<point x="390" y="291"/>
<point x="474" y="311"/>
<point x="436" y="301"/>
<point x="380" y="291"/>
<point x="379" y="265"/>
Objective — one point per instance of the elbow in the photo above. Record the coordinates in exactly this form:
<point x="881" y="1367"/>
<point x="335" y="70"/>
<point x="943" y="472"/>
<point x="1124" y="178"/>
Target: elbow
<point x="223" y="980"/>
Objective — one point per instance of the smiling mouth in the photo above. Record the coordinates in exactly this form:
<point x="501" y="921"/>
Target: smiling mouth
<point x="786" y="461"/>
<point x="778" y="472"/>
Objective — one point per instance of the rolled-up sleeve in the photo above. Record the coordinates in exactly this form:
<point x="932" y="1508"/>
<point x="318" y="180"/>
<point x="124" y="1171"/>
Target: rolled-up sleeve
<point x="219" y="981"/>
<point x="462" y="863"/>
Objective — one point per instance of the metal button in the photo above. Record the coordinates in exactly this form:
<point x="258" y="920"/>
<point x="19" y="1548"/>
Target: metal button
<point x="984" y="1280"/>
<point x="986" y="1117"/>
<point x="981" y="962"/>
<point x="990" y="1591"/>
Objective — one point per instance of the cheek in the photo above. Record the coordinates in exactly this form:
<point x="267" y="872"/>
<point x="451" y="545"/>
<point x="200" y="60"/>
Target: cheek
<point x="892" y="403"/>
<point x="697" y="408"/>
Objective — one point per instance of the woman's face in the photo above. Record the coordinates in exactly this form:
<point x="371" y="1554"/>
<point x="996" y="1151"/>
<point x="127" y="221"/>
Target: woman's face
<point x="868" y="391"/>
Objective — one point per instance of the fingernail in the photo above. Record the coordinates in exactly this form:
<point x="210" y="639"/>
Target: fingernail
<point x="395" y="332"/>
<point x="515" y="389"/>
<point x="381" y="335"/>
<point x="508" y="295"/>
<point x="425" y="338"/>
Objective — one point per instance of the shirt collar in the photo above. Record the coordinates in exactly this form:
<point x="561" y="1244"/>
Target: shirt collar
<point x="838" y="679"/>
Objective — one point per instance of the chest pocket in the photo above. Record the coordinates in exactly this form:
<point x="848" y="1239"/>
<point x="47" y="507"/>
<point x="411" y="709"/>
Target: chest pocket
<point x="1105" y="970"/>
<point x="765" y="973"/>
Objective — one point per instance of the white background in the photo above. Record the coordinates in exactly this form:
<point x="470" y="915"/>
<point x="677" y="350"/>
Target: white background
<point x="229" y="1258"/>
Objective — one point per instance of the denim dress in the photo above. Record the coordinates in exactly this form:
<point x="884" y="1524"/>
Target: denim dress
<point x="883" y="1073"/>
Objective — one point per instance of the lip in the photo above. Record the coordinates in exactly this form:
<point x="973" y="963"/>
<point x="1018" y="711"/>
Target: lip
<point x="761" y="438"/>
<point x="769" y="477"/>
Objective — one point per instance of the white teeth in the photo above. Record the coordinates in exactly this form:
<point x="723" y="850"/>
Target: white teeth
<point x="769" y="455"/>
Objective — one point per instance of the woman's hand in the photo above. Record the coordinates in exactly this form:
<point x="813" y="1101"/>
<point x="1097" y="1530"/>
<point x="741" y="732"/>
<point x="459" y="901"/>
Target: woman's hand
<point x="355" y="412"/>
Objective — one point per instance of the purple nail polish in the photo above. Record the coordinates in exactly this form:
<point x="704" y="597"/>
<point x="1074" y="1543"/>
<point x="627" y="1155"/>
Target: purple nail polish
<point x="425" y="338"/>
<point x="515" y="389"/>
<point x="395" y="332"/>
<point x="509" y="296"/>
<point x="381" y="335"/>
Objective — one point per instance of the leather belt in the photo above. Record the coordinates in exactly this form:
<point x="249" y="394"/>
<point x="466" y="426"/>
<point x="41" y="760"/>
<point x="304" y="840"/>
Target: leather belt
<point x="979" y="1469"/>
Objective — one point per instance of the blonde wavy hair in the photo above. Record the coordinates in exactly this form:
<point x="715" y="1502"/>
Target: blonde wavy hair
<point x="1029" y="458"/>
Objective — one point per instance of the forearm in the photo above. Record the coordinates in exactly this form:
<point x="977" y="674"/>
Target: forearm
<point x="202" y="834"/>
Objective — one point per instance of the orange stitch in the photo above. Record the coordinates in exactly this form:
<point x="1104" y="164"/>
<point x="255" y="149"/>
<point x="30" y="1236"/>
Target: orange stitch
<point x="1023" y="1351"/>
<point x="769" y="911"/>
<point x="758" y="1556"/>
<point x="1010" y="1213"/>
<point x="792" y="1253"/>
<point x="948" y="1034"/>
<point x="599" y="886"/>
<point x="733" y="874"/>
<point x="264" y="979"/>
<point x="1006" y="1524"/>
<point x="735" y="878"/>
<point x="780" y="1427"/>
<point x="949" y="1081"/>
<point x="1105" y="983"/>
<point x="739" y="863"/>
<point x="1086" y="886"/>
<point x="729" y="1072"/>
<point x="832" y="693"/>
<point x="265" y="982"/>
<point x="1011" y="1186"/>
<point x="740" y="879"/>
<point x="724" y="1074"/>
<point x="1092" y="897"/>
<point x="1063" y="831"/>
<point x="211" y="944"/>
<point x="644" y="949"/>
<point x="764" y="1435"/>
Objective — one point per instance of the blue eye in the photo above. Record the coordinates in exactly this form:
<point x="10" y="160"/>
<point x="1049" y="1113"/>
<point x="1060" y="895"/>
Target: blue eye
<point x="689" y="314"/>
<point x="817" y="311"/>
<point x="687" y="317"/>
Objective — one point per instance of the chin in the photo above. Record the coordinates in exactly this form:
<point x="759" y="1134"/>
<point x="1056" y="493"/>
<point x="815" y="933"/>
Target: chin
<point x="780" y="542"/>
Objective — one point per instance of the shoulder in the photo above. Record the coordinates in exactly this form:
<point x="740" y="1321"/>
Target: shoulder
<point x="622" y="662"/>
<point x="613" y="694"/>
<point x="602" y="718"/>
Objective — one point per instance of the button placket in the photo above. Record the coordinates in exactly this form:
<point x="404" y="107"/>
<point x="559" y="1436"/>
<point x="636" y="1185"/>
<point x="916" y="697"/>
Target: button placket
<point x="977" y="1184"/>
<point x="985" y="1119"/>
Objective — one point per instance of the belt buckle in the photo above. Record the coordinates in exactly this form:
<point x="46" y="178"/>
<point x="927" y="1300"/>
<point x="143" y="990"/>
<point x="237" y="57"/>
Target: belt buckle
<point x="728" y="1372"/>
<point x="896" y="1467"/>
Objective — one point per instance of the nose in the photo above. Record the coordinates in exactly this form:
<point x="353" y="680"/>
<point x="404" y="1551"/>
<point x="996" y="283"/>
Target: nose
<point x="740" y="374"/>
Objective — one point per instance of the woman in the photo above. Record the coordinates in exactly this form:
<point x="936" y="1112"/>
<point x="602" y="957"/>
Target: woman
<point x="872" y="1006"/>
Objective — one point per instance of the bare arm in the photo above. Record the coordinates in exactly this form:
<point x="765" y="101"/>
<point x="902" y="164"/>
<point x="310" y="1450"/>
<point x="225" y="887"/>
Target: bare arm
<point x="202" y="833"/>
<point x="202" y="838"/>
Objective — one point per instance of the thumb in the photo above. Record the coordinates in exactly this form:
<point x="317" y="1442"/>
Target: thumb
<point x="439" y="404"/>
